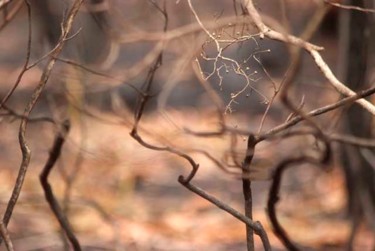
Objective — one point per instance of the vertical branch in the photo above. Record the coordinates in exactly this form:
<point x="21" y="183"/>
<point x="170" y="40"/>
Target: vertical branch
<point x="247" y="193"/>
<point x="66" y="27"/>
<point x="356" y="50"/>
<point x="48" y="192"/>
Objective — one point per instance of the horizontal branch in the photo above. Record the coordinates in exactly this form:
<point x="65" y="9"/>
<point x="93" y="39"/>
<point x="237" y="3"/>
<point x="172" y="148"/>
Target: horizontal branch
<point x="349" y="7"/>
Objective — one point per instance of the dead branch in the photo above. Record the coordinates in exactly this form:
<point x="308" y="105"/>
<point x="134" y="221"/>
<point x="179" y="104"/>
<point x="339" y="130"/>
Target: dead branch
<point x="312" y="49"/>
<point x="9" y="15"/>
<point x="316" y="112"/>
<point x="66" y="27"/>
<point x="179" y="32"/>
<point x="6" y="237"/>
<point x="349" y="7"/>
<point x="256" y="226"/>
<point x="352" y="140"/>
<point x="291" y="122"/>
<point x="15" y="115"/>
<point x="25" y="67"/>
<point x="48" y="192"/>
<point x="246" y="189"/>
<point x="143" y="99"/>
<point x="273" y="196"/>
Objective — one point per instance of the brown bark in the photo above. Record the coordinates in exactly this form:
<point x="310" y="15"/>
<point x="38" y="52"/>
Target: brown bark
<point x="359" y="174"/>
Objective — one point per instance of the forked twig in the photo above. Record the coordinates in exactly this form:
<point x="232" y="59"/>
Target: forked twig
<point x="312" y="49"/>
<point x="66" y="27"/>
<point x="6" y="237"/>
<point x="256" y="226"/>
<point x="288" y="124"/>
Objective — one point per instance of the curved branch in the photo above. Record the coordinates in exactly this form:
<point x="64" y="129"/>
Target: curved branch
<point x="273" y="195"/>
<point x="48" y="192"/>
<point x="66" y="27"/>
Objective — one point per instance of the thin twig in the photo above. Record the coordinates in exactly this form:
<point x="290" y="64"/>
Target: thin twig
<point x="352" y="140"/>
<point x="144" y="96"/>
<point x="11" y="14"/>
<point x="310" y="48"/>
<point x="66" y="27"/>
<point x="291" y="122"/>
<point x="12" y="113"/>
<point x="25" y="66"/>
<point x="335" y="137"/>
<point x="6" y="237"/>
<point x="181" y="31"/>
<point x="316" y="112"/>
<point x="256" y="226"/>
<point x="349" y="7"/>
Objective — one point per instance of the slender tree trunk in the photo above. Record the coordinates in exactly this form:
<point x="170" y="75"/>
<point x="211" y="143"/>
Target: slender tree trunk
<point x="355" y="41"/>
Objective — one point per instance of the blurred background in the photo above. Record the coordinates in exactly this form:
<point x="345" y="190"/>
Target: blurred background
<point x="119" y="195"/>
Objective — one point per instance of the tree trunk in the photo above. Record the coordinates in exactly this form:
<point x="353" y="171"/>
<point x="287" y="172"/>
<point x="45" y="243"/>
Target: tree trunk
<point x="355" y="39"/>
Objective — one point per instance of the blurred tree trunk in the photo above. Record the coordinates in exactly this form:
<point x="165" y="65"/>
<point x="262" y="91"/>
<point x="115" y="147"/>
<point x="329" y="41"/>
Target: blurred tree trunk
<point x="356" y="42"/>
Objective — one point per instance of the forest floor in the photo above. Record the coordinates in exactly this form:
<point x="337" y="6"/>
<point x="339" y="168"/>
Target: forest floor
<point x="126" y="197"/>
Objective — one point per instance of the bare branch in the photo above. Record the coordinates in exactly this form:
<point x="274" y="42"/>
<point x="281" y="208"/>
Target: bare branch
<point x="5" y="236"/>
<point x="66" y="27"/>
<point x="26" y="64"/>
<point x="11" y="14"/>
<point x="246" y="189"/>
<point x="13" y="114"/>
<point x="318" y="111"/>
<point x="349" y="7"/>
<point x="256" y="226"/>
<point x="312" y="49"/>
<point x="273" y="196"/>
<point x="48" y="192"/>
